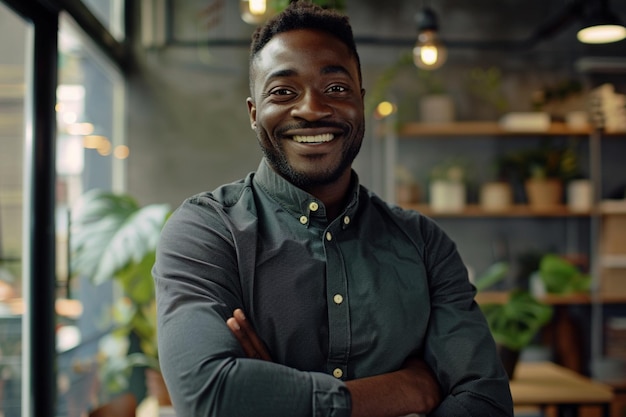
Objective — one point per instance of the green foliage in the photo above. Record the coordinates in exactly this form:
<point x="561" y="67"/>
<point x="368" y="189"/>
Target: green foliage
<point x="493" y="275"/>
<point x="428" y="82"/>
<point x="455" y="169"/>
<point x="561" y="276"/>
<point x="545" y="161"/>
<point x="515" y="323"/>
<point x="112" y="234"/>
<point x="113" y="238"/>
<point x="280" y="5"/>
<point x="486" y="85"/>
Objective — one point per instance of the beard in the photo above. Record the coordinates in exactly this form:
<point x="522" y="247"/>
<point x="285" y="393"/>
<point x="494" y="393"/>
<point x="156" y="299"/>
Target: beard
<point x="277" y="158"/>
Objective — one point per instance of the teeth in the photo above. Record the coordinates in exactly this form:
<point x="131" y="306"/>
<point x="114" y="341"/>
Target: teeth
<point x="326" y="137"/>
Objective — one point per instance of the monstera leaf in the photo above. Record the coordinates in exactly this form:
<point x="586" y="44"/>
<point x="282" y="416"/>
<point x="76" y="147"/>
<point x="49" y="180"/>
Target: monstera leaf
<point x="515" y="323"/>
<point x="561" y="276"/>
<point x="111" y="235"/>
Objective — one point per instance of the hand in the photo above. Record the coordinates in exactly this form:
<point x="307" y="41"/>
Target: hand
<point x="251" y="343"/>
<point x="427" y="392"/>
<point x="411" y="389"/>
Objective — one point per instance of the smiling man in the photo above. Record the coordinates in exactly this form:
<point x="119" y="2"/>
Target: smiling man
<point x="296" y="291"/>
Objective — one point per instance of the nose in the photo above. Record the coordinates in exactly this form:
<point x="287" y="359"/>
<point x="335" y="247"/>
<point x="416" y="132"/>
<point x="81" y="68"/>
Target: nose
<point x="312" y="106"/>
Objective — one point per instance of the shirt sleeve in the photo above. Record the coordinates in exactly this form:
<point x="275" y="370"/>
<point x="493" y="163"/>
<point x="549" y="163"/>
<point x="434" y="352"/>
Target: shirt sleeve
<point x="459" y="346"/>
<point x="205" y="369"/>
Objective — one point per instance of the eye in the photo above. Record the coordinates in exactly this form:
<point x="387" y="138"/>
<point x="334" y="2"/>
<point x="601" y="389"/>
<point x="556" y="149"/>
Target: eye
<point x="337" y="89"/>
<point x="281" y="92"/>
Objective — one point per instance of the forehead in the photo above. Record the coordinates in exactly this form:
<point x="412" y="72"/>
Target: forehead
<point x="304" y="47"/>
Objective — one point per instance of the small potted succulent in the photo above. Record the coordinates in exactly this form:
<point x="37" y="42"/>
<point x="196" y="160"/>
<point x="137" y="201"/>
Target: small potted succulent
<point x="448" y="186"/>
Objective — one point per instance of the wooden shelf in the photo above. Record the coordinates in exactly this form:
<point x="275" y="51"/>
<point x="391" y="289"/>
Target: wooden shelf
<point x="480" y="128"/>
<point x="520" y="210"/>
<point x="613" y="206"/>
<point x="613" y="261"/>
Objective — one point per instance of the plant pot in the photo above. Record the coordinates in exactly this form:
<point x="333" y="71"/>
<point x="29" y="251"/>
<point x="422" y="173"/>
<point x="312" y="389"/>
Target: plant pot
<point x="544" y="193"/>
<point x="509" y="358"/>
<point x="155" y="384"/>
<point x="437" y="108"/>
<point x="447" y="196"/>
<point x="496" y="196"/>
<point x="407" y="193"/>
<point x="580" y="195"/>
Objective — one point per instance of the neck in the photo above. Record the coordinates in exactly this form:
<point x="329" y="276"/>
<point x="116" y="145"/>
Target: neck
<point x="333" y="196"/>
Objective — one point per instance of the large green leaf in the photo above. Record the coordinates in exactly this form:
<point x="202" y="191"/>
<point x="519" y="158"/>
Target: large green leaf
<point x="560" y="276"/>
<point x="110" y="232"/>
<point x="515" y="323"/>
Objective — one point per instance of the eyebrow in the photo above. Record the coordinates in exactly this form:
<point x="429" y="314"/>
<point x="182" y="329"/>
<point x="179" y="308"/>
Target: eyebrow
<point x="336" y="69"/>
<point x="330" y="69"/>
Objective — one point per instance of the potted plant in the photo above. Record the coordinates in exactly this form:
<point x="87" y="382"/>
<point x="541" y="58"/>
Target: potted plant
<point x="560" y="276"/>
<point x="496" y="194"/>
<point x="435" y="104"/>
<point x="448" y="189"/>
<point x="114" y="238"/>
<point x="514" y="323"/>
<point x="407" y="189"/>
<point x="543" y="172"/>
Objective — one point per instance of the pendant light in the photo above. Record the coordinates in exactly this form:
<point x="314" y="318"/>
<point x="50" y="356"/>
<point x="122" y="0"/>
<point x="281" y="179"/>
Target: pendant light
<point x="602" y="26"/>
<point x="254" y="12"/>
<point x="429" y="51"/>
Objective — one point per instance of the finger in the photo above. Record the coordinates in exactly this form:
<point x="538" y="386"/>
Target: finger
<point x="242" y="338"/>
<point x="255" y="341"/>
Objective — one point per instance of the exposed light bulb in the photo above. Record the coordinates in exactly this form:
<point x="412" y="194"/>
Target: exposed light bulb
<point x="429" y="52"/>
<point x="602" y="34"/>
<point x="253" y="11"/>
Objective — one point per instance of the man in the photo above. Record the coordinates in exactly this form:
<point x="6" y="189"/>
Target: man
<point x="296" y="292"/>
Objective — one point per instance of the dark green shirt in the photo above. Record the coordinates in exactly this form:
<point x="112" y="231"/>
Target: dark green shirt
<point x="333" y="301"/>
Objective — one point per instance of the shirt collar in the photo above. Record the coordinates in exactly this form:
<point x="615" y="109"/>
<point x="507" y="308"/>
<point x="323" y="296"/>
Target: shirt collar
<point x="295" y="200"/>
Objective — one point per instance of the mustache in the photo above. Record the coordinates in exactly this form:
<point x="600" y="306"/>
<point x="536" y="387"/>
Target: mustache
<point x="312" y="125"/>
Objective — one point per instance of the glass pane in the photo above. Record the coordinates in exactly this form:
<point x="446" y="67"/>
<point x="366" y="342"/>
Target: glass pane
<point x="13" y="58"/>
<point x="90" y="153"/>
<point x="110" y="13"/>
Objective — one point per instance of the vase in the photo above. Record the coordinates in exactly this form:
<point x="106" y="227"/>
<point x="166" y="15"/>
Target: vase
<point x="496" y="196"/>
<point x="544" y="193"/>
<point x="437" y="108"/>
<point x="447" y="196"/>
<point x="580" y="195"/>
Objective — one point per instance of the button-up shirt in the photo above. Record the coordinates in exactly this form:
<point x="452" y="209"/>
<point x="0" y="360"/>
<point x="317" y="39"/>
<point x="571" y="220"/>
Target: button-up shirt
<point x="333" y="300"/>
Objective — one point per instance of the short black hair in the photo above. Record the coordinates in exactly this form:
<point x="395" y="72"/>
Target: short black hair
<point x="304" y="15"/>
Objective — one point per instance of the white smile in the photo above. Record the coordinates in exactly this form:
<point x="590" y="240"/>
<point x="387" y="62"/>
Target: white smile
<point x="326" y="137"/>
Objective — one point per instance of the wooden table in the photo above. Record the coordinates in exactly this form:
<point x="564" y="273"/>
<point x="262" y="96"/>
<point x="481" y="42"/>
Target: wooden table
<point x="544" y="384"/>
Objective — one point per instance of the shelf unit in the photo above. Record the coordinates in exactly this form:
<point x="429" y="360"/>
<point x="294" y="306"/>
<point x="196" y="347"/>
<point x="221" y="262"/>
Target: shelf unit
<point x="392" y="138"/>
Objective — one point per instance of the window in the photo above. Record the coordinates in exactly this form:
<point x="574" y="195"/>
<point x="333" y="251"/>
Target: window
<point x="13" y="70"/>
<point x="90" y="154"/>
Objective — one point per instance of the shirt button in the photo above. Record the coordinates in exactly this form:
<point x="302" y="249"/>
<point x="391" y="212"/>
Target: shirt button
<point x="314" y="206"/>
<point x="329" y="236"/>
<point x="337" y="373"/>
<point x="338" y="299"/>
<point x="346" y="220"/>
<point x="304" y="220"/>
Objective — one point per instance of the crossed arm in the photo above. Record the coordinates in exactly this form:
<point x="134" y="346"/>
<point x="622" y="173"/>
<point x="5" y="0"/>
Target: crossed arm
<point x="411" y="389"/>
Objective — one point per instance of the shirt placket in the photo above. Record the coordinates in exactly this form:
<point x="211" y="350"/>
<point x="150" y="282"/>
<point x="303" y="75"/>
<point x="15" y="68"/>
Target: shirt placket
<point x="338" y="304"/>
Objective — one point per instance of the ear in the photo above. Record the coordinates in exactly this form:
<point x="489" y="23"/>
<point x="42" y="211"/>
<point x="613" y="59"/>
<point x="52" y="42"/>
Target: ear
<point x="251" y="112"/>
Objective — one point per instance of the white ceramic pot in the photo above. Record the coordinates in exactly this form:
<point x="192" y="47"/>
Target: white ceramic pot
<point x="580" y="195"/>
<point x="496" y="196"/>
<point x="447" y="196"/>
